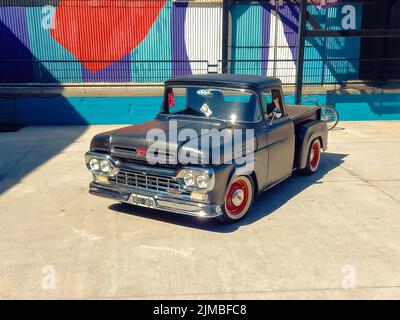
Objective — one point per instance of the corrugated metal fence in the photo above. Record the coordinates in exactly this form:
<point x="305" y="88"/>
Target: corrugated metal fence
<point x="85" y="41"/>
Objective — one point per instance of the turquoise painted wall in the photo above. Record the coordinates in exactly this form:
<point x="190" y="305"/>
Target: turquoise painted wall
<point x="44" y="47"/>
<point x="246" y="38"/>
<point x="156" y="46"/>
<point x="131" y="110"/>
<point x="63" y="111"/>
<point x="251" y="40"/>
<point x="329" y="49"/>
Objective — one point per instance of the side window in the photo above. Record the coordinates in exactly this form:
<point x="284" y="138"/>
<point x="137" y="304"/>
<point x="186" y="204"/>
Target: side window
<point x="271" y="100"/>
<point x="257" y="112"/>
<point x="266" y="99"/>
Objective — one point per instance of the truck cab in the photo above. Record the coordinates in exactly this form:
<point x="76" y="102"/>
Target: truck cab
<point x="217" y="142"/>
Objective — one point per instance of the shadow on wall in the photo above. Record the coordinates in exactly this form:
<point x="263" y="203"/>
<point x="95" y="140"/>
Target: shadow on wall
<point x="23" y="152"/>
<point x="57" y="110"/>
<point x="363" y="105"/>
<point x="14" y="49"/>
<point x="264" y="205"/>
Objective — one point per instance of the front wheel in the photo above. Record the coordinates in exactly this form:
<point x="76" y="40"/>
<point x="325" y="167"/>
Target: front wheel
<point x="313" y="157"/>
<point x="238" y="199"/>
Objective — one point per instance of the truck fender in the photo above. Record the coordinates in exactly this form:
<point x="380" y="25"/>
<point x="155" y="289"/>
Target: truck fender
<point x="306" y="133"/>
<point x="256" y="170"/>
<point x="226" y="174"/>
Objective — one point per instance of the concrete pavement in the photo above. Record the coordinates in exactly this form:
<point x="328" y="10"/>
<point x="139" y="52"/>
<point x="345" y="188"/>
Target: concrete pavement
<point x="332" y="235"/>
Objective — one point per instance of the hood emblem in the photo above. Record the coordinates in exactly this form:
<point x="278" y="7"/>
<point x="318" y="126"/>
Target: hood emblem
<point x="141" y="151"/>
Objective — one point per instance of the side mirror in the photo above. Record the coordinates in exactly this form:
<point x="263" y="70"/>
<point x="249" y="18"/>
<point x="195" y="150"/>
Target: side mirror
<point x="277" y="113"/>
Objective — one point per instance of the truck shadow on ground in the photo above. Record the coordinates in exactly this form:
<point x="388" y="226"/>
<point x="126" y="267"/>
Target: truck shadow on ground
<point x="265" y="205"/>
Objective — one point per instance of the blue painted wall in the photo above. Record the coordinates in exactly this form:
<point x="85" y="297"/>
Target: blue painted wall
<point x="7" y="110"/>
<point x="66" y="111"/>
<point x="131" y="110"/>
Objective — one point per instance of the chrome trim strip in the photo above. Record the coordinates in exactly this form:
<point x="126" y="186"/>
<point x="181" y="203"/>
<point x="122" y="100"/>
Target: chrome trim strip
<point x="170" y="204"/>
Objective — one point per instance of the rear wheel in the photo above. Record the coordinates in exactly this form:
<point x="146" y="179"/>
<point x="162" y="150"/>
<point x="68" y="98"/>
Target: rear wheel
<point x="313" y="157"/>
<point x="238" y="199"/>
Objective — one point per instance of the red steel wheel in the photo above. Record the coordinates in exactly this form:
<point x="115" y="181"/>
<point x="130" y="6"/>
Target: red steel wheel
<point x="313" y="158"/>
<point x="238" y="198"/>
<point x="315" y="155"/>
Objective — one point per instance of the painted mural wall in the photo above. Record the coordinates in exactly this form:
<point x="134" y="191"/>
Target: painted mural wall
<point x="150" y="41"/>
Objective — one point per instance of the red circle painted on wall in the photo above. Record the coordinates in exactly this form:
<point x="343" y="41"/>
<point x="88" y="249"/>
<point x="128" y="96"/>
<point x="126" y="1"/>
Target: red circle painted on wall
<point x="104" y="31"/>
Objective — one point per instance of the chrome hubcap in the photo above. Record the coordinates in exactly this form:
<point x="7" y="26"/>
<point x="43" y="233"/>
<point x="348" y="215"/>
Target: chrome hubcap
<point x="237" y="197"/>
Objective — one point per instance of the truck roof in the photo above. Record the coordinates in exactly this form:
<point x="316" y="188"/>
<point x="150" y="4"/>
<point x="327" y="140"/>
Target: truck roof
<point x="240" y="81"/>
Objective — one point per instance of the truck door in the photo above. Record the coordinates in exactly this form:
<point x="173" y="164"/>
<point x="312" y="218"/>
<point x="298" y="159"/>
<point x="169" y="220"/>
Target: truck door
<point x="280" y="137"/>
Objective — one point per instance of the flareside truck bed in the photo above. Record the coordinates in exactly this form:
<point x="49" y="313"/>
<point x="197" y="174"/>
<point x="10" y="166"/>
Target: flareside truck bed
<point x="300" y="114"/>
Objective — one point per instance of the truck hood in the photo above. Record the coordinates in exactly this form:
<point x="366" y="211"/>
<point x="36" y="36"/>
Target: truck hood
<point x="132" y="142"/>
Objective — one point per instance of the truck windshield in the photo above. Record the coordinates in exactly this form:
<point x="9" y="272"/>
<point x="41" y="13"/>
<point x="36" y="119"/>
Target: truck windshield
<point x="230" y="105"/>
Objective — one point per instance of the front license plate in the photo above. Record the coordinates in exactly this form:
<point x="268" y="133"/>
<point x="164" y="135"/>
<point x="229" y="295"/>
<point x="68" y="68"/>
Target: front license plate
<point x="143" y="201"/>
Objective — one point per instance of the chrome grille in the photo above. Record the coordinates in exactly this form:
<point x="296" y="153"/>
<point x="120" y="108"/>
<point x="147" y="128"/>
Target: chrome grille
<point x="146" y="181"/>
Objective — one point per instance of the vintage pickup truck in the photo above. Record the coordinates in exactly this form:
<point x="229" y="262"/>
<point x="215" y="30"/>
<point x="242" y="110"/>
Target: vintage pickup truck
<point x="274" y="139"/>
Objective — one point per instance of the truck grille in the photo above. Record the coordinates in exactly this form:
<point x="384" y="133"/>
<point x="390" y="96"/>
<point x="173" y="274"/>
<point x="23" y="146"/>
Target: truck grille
<point x="139" y="154"/>
<point x="143" y="160"/>
<point x="146" y="181"/>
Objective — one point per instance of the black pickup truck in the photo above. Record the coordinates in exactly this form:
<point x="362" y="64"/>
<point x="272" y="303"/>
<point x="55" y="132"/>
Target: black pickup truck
<point x="217" y="142"/>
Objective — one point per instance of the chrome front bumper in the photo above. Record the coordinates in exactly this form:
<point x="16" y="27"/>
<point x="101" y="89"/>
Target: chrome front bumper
<point x="162" y="202"/>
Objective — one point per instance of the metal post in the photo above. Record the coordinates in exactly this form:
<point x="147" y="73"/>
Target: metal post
<point x="300" y="49"/>
<point x="225" y="34"/>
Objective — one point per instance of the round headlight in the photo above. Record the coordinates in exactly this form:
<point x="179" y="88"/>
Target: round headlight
<point x="189" y="179"/>
<point x="202" y="181"/>
<point x="94" y="164"/>
<point x="105" y="166"/>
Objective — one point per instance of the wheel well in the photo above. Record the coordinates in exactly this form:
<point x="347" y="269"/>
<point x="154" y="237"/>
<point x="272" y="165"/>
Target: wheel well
<point x="299" y="157"/>
<point x="254" y="179"/>
<point x="320" y="141"/>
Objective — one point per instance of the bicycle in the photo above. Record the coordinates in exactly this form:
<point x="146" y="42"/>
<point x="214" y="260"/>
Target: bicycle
<point x="328" y="114"/>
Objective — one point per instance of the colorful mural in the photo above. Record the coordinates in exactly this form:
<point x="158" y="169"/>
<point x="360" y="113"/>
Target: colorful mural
<point x="104" y="32"/>
<point x="149" y="41"/>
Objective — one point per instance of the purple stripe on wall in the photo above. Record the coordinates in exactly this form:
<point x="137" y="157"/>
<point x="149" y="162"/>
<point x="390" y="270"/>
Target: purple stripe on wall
<point x="14" y="18"/>
<point x="14" y="45"/>
<point x="119" y="71"/>
<point x="180" y="65"/>
<point x="289" y="15"/>
<point x="266" y="27"/>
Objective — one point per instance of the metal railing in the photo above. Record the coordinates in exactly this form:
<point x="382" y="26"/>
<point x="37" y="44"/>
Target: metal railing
<point x="320" y="71"/>
<point x="101" y="71"/>
<point x="316" y="71"/>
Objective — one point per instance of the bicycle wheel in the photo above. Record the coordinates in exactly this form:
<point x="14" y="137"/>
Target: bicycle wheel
<point x="330" y="116"/>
